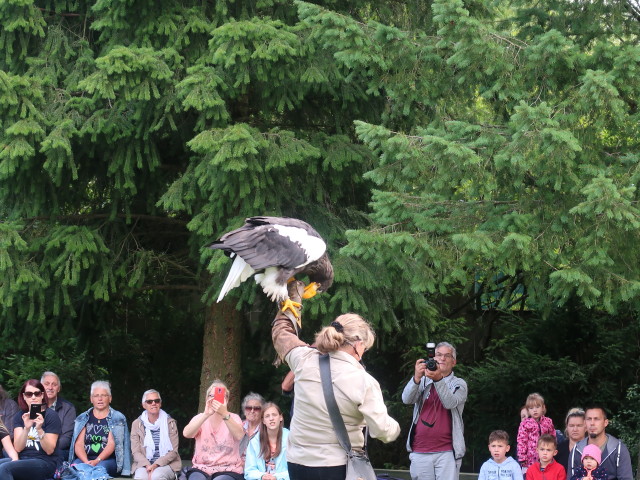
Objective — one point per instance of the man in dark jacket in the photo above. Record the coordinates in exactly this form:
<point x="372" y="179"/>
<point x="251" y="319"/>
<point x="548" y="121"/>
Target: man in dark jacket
<point x="65" y="410"/>
<point x="615" y="455"/>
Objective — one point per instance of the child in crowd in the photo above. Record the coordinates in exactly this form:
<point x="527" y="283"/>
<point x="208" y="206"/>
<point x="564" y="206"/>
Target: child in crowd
<point x="546" y="468"/>
<point x="591" y="468"/>
<point x="531" y="429"/>
<point x="499" y="466"/>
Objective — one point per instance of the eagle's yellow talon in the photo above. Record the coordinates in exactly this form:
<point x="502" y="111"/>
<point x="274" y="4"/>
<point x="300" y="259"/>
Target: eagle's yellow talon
<point x="310" y="290"/>
<point x="289" y="304"/>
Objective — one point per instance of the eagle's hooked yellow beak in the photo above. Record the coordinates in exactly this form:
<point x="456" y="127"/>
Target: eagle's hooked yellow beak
<point x="310" y="290"/>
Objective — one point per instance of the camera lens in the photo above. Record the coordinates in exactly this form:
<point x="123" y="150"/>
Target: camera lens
<point x="432" y="365"/>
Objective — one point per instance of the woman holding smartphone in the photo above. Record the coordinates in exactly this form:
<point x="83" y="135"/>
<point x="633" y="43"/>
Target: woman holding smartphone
<point x="217" y="433"/>
<point x="35" y="436"/>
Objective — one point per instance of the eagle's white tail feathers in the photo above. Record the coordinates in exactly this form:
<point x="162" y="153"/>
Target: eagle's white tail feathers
<point x="240" y="271"/>
<point x="270" y="286"/>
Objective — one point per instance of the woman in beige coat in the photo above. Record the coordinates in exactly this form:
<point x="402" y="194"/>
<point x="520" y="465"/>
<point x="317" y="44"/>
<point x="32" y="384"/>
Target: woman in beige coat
<point x="313" y="451"/>
<point x="154" y="441"/>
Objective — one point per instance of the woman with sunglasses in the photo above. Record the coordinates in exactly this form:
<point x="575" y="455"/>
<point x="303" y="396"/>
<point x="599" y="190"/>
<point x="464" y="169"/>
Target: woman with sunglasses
<point x="154" y="441"/>
<point x="266" y="454"/>
<point x="35" y="439"/>
<point x="217" y="433"/>
<point x="252" y="405"/>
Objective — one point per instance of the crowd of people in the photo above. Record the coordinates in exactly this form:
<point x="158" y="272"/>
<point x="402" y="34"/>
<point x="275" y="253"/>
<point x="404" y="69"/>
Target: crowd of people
<point x="41" y="429"/>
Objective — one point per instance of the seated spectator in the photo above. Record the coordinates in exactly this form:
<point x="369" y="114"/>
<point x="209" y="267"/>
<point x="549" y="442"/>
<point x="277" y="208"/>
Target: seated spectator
<point x="154" y="441"/>
<point x="267" y="452"/>
<point x="8" y="410"/>
<point x="252" y="408"/>
<point x="101" y="436"/>
<point x="218" y="433"/>
<point x="7" y="445"/>
<point x="65" y="410"/>
<point x="35" y="439"/>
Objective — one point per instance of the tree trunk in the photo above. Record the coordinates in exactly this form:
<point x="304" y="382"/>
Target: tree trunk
<point x="221" y="351"/>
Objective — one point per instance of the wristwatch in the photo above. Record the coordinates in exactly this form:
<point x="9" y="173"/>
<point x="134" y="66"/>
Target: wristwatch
<point x="226" y="417"/>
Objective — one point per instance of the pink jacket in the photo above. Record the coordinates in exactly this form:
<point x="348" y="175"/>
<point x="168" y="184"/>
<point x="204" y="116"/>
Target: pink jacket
<point x="528" y="435"/>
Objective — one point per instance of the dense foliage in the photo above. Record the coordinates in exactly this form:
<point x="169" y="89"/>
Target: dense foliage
<point x="472" y="164"/>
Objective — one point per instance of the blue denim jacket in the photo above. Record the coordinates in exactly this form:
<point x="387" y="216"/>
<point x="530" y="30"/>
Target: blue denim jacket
<point x="118" y="426"/>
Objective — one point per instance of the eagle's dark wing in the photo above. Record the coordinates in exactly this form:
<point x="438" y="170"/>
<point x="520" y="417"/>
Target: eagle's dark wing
<point x="273" y="248"/>
<point x="263" y="245"/>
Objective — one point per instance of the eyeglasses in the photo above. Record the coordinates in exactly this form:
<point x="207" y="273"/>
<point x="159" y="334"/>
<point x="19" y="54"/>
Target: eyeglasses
<point x="443" y="355"/>
<point x="152" y="400"/>
<point x="36" y="394"/>
<point x="252" y="409"/>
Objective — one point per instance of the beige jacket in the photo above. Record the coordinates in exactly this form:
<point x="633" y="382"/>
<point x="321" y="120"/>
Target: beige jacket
<point x="172" y="458"/>
<point x="312" y="440"/>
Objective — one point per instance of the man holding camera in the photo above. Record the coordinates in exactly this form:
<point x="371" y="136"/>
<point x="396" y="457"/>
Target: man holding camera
<point x="436" y="439"/>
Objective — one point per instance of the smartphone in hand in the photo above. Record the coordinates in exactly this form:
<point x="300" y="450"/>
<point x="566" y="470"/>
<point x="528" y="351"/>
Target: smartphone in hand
<point x="34" y="410"/>
<point x="218" y="394"/>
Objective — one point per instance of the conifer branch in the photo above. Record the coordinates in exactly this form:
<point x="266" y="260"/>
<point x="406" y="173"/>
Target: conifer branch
<point x="96" y="216"/>
<point x="194" y="288"/>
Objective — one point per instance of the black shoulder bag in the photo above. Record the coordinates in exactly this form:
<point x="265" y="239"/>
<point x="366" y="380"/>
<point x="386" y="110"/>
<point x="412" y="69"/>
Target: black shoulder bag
<point x="358" y="464"/>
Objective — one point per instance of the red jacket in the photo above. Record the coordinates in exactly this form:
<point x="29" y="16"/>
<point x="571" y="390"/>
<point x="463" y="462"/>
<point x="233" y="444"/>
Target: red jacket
<point x="553" y="471"/>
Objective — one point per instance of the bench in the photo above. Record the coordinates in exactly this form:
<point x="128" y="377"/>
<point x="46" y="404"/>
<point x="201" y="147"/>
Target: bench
<point x="403" y="474"/>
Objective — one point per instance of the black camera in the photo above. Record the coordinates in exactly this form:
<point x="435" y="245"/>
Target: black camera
<point x="431" y="353"/>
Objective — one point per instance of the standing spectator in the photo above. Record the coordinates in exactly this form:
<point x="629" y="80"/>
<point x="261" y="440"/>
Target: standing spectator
<point x="546" y="468"/>
<point x="524" y="413"/>
<point x="313" y="450"/>
<point x="65" y="410"/>
<point x="101" y="434"/>
<point x="575" y="430"/>
<point x="615" y="454"/>
<point x="35" y="439"/>
<point x="531" y="429"/>
<point x="218" y="433"/>
<point x="252" y="405"/>
<point x="154" y="441"/>
<point x="8" y="410"/>
<point x="499" y="466"/>
<point x="436" y="438"/>
<point x="267" y="452"/>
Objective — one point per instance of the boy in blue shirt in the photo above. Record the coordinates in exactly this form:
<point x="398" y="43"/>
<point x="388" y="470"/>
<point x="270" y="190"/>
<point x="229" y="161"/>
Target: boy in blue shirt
<point x="499" y="466"/>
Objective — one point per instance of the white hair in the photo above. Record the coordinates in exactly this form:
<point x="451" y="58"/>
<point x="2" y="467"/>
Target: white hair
<point x="101" y="384"/>
<point x="252" y="396"/>
<point x="151" y="390"/>
<point x="50" y="374"/>
<point x="448" y="345"/>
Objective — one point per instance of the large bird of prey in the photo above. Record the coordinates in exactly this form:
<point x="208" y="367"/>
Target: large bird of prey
<point x="274" y="250"/>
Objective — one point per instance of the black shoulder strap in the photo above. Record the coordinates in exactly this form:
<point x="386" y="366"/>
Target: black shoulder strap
<point x="332" y="406"/>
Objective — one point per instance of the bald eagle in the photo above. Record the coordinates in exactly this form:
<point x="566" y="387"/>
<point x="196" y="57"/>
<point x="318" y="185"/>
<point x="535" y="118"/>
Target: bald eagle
<point x="274" y="250"/>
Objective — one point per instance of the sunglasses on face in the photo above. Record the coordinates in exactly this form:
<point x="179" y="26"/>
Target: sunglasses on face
<point x="152" y="400"/>
<point x="33" y="394"/>
<point x="252" y="409"/>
